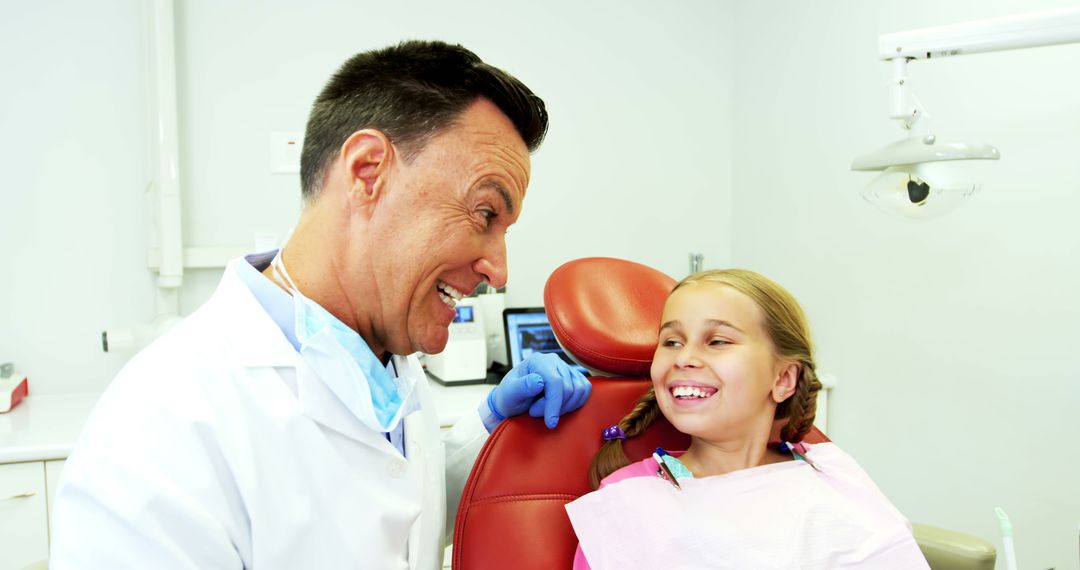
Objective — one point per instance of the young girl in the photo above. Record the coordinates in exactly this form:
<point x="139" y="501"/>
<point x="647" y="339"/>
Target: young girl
<point x="733" y="356"/>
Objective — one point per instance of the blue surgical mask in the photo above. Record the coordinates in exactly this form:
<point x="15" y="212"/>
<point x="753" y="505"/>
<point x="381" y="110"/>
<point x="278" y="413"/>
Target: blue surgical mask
<point x="345" y="363"/>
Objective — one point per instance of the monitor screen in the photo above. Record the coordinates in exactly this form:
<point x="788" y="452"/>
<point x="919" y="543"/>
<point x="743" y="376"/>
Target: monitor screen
<point x="464" y="314"/>
<point x="528" y="331"/>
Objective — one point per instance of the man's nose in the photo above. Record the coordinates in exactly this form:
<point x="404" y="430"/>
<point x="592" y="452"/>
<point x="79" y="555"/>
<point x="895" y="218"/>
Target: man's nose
<point x="492" y="266"/>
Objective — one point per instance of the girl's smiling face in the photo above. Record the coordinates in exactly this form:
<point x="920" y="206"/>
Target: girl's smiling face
<point x="715" y="368"/>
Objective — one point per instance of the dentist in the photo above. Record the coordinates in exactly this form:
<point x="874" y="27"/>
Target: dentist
<point x="285" y="423"/>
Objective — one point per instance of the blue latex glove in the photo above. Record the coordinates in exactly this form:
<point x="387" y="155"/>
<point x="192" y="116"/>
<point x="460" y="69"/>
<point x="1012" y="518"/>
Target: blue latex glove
<point x="543" y="385"/>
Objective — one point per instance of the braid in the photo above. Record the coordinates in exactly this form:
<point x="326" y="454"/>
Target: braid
<point x="801" y="407"/>
<point x="641" y="417"/>
<point x="612" y="456"/>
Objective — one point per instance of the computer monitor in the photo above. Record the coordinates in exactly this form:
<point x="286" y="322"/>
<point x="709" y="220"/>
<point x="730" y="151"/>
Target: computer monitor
<point x="463" y="314"/>
<point x="528" y="331"/>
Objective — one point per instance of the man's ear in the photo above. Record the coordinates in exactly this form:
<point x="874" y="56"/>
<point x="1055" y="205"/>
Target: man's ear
<point x="366" y="155"/>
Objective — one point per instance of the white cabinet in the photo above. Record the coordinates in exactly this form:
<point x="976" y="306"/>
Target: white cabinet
<point x="52" y="479"/>
<point x="24" y="525"/>
<point x="35" y="437"/>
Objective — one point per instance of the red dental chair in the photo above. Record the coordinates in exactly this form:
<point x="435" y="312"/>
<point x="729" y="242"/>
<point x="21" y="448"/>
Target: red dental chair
<point x="605" y="313"/>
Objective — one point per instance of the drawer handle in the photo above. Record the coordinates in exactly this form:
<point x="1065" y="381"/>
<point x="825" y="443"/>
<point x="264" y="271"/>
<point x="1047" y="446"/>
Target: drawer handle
<point x="25" y="495"/>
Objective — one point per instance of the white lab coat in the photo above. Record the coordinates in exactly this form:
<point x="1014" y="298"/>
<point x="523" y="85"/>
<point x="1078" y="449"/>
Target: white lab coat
<point x="217" y="447"/>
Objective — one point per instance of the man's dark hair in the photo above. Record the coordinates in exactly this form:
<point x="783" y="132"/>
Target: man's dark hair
<point x="410" y="92"/>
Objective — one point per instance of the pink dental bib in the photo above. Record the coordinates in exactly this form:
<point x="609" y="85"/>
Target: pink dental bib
<point x="783" y="515"/>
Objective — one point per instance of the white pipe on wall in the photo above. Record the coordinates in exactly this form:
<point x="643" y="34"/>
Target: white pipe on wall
<point x="166" y="251"/>
<point x="167" y="171"/>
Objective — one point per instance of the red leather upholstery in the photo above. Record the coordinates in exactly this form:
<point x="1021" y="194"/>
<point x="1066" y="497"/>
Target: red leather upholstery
<point x="511" y="514"/>
<point x="605" y="312"/>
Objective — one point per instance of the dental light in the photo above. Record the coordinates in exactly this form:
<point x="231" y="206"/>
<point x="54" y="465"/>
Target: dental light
<point x="918" y="178"/>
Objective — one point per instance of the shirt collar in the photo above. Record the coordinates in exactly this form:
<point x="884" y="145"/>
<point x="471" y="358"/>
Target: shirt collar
<point x="277" y="303"/>
<point x="274" y="300"/>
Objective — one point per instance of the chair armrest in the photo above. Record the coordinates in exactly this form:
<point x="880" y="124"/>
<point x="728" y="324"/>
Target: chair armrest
<point x="951" y="550"/>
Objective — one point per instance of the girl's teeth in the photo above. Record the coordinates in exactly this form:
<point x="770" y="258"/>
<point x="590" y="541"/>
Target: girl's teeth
<point x="688" y="392"/>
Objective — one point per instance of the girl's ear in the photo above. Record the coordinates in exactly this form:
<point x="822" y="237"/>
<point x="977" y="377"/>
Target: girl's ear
<point x="787" y="378"/>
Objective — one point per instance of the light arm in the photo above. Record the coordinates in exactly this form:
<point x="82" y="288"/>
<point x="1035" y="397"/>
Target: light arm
<point x="1034" y="29"/>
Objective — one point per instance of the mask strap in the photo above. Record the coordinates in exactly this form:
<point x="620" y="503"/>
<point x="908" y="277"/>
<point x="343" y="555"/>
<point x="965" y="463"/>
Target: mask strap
<point x="278" y="266"/>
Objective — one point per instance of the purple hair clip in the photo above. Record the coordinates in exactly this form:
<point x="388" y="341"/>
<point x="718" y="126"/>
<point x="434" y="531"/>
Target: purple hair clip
<point x="613" y="432"/>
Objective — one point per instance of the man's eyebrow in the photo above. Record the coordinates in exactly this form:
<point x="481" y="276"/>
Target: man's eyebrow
<point x="494" y="185"/>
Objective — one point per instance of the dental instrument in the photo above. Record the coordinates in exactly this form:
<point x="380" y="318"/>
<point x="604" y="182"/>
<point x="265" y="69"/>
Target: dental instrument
<point x="1007" y="538"/>
<point x="657" y="455"/>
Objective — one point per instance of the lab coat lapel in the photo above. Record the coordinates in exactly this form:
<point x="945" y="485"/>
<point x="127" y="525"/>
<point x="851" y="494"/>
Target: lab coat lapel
<point x="321" y="405"/>
<point x="254" y="338"/>
<point x="260" y="343"/>
<point x="423" y="447"/>
<point x="417" y="534"/>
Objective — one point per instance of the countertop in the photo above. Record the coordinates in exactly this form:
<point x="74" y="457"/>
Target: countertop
<point x="46" y="427"/>
<point x="43" y="427"/>
<point x="453" y="401"/>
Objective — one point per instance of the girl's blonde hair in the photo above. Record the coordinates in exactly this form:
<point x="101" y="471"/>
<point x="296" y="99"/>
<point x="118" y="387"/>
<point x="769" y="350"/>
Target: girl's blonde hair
<point x="783" y="321"/>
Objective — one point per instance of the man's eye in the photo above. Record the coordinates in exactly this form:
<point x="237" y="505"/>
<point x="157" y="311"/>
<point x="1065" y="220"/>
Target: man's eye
<point x="488" y="214"/>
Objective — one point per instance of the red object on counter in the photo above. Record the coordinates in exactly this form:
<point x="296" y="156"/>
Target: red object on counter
<point x="12" y="392"/>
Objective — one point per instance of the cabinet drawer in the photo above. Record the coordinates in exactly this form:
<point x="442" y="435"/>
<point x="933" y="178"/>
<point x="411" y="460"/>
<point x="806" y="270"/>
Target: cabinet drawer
<point x="24" y="531"/>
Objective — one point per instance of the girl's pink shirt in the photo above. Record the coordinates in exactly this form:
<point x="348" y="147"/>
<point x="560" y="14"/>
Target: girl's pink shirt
<point x="644" y="468"/>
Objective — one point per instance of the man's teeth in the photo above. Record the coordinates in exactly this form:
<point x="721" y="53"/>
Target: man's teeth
<point x="448" y="294"/>
<point x="689" y="392"/>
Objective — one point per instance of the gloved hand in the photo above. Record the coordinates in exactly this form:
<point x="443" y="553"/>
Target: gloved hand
<point x="542" y="384"/>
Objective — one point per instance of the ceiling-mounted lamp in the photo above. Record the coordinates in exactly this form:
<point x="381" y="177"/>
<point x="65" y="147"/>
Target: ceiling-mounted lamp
<point x="918" y="177"/>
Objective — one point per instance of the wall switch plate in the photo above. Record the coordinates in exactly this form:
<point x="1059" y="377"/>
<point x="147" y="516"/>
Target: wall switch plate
<point x="285" y="152"/>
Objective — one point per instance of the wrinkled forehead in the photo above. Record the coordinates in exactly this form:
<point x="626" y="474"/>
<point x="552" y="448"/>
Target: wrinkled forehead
<point x="488" y="130"/>
<point x="484" y="146"/>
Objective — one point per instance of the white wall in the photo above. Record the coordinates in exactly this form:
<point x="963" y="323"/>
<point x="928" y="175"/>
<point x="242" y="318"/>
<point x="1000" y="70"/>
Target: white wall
<point x="72" y="180"/>
<point x="639" y="96"/>
<point x="640" y="102"/>
<point x="953" y="340"/>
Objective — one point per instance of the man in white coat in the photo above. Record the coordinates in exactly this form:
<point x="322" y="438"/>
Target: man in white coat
<point x="284" y="423"/>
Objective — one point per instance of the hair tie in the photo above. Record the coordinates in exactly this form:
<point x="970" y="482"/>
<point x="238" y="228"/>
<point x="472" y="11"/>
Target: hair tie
<point x="613" y="432"/>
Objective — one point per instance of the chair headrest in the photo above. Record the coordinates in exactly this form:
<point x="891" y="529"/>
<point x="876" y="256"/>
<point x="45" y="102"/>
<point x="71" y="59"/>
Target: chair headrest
<point x="605" y="313"/>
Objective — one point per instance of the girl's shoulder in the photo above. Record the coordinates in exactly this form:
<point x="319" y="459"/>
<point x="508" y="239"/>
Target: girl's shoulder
<point x="644" y="468"/>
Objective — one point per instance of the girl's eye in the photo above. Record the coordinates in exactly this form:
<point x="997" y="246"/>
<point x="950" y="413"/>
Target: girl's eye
<point x="718" y="342"/>
<point x="671" y="343"/>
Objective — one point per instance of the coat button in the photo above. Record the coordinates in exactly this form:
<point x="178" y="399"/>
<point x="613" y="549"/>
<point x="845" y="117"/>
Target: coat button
<point x="396" y="468"/>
